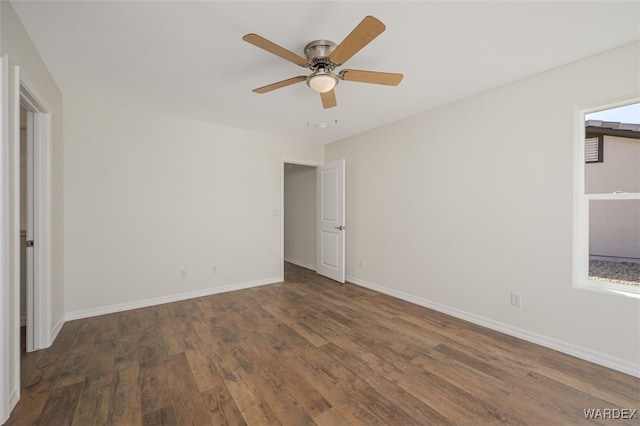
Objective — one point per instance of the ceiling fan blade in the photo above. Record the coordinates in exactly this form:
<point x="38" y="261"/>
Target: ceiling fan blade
<point x="280" y="84"/>
<point x="329" y="99"/>
<point x="368" y="29"/>
<point x="375" y="77"/>
<point x="271" y="47"/>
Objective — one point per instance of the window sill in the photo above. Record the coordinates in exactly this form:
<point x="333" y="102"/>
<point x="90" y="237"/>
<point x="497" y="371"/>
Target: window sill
<point x="610" y="288"/>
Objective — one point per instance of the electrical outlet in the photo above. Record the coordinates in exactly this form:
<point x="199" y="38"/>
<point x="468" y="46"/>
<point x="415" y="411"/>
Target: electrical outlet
<point x="183" y="274"/>
<point x="361" y="264"/>
<point x="516" y="299"/>
<point x="214" y="269"/>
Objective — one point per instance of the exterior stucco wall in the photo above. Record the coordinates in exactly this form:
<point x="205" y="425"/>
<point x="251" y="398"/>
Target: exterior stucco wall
<point x="614" y="226"/>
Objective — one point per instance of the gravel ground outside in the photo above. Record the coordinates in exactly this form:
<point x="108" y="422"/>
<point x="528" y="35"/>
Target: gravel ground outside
<point x="615" y="272"/>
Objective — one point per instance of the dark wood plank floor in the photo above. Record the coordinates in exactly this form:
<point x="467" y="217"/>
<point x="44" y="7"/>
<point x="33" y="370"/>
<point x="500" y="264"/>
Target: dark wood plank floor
<point x="306" y="351"/>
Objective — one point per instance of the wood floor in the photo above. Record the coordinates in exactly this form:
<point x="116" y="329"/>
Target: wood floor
<point x="307" y="351"/>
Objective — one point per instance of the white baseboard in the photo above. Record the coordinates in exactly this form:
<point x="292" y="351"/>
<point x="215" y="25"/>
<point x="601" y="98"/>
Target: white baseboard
<point x="14" y="397"/>
<point x="120" y="307"/>
<point x="614" y="363"/>
<point x="300" y="263"/>
<point x="56" y="330"/>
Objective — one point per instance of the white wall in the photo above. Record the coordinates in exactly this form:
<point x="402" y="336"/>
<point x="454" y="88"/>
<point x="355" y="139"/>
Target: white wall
<point x="300" y="215"/>
<point x="462" y="205"/>
<point x="148" y="195"/>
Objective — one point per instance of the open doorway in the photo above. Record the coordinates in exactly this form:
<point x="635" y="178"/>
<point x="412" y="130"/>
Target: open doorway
<point x="299" y="215"/>
<point x="313" y="206"/>
<point x="35" y="177"/>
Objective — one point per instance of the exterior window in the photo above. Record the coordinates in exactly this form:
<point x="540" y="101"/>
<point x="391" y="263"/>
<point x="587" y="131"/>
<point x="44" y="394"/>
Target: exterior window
<point x="607" y="232"/>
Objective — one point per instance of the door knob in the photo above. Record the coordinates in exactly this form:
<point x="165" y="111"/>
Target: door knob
<point x="339" y="228"/>
<point x="29" y="243"/>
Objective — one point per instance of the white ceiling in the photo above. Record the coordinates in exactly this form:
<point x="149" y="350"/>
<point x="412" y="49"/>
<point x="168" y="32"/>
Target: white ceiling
<point x="188" y="59"/>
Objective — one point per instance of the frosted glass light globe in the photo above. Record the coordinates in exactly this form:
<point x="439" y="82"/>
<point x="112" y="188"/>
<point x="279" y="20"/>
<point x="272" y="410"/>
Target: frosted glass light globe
<point x="322" y="83"/>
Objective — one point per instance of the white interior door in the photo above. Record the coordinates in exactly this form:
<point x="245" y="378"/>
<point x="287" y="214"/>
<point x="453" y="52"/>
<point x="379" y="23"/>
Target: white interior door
<point x="39" y="140"/>
<point x="30" y="314"/>
<point x="330" y="226"/>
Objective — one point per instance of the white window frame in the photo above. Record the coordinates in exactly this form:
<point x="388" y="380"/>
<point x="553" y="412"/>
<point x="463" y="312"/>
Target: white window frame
<point x="581" y="208"/>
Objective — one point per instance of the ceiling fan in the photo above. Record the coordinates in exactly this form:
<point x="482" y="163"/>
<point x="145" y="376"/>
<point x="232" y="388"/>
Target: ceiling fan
<point x="323" y="56"/>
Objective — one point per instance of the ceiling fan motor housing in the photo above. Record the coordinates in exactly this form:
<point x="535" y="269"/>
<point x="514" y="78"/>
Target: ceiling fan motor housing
<point x="317" y="53"/>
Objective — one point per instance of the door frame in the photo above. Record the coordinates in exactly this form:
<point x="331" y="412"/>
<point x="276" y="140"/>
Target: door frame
<point x="282" y="164"/>
<point x="39" y="295"/>
<point x="6" y="369"/>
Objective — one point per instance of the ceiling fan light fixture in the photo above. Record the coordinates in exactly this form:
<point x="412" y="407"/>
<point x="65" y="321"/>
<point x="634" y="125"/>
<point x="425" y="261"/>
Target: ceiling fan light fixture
<point x="323" y="56"/>
<point x="322" y="81"/>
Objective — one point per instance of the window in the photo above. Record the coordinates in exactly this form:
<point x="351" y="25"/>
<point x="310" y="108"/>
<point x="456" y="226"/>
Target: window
<point x="607" y="212"/>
